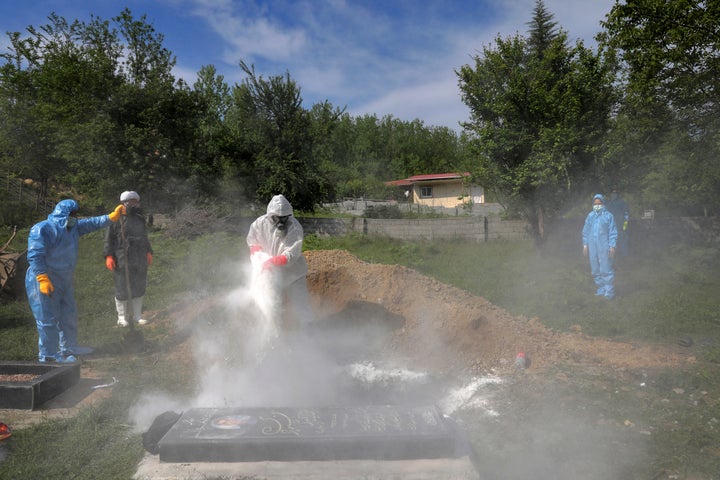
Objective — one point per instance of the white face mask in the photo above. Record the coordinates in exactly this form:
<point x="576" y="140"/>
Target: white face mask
<point x="597" y="208"/>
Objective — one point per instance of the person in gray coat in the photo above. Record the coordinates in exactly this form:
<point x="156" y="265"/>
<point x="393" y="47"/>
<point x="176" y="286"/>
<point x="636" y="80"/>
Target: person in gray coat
<point x="127" y="246"/>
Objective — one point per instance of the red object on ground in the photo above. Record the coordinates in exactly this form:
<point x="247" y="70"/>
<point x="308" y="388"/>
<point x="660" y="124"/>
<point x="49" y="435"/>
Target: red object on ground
<point x="4" y="431"/>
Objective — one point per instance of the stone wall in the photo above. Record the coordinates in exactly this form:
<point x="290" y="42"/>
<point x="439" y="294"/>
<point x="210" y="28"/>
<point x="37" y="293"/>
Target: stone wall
<point x="470" y="228"/>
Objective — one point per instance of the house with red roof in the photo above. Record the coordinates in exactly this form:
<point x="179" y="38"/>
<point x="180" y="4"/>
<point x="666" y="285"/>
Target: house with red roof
<point x="448" y="190"/>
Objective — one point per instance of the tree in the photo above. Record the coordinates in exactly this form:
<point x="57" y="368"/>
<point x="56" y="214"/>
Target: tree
<point x="55" y="86"/>
<point x="269" y="115"/>
<point x="670" y="51"/>
<point x="215" y="146"/>
<point x="324" y="122"/>
<point x="90" y="107"/>
<point x="539" y="112"/>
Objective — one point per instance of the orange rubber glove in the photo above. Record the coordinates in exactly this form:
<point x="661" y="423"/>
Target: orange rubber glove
<point x="110" y="263"/>
<point x="149" y="258"/>
<point x="255" y="249"/>
<point x="46" y="286"/>
<point x="115" y="215"/>
<point x="276" y="261"/>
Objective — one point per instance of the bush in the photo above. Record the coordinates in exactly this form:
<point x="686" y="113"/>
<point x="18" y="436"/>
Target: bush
<point x="13" y="212"/>
<point x="383" y="211"/>
<point x="195" y="220"/>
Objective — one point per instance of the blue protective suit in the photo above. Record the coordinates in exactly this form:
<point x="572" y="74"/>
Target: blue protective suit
<point x="53" y="250"/>
<point x="600" y="234"/>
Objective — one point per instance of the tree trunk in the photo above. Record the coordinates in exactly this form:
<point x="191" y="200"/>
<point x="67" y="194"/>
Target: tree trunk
<point x="537" y="225"/>
<point x="541" y="222"/>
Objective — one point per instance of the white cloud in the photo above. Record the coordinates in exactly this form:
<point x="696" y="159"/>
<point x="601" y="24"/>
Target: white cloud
<point x="187" y="74"/>
<point x="438" y="100"/>
<point x="247" y="35"/>
<point x="399" y="58"/>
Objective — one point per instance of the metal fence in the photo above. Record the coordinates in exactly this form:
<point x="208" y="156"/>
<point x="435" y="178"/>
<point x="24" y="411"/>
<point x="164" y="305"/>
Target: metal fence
<point x="23" y="199"/>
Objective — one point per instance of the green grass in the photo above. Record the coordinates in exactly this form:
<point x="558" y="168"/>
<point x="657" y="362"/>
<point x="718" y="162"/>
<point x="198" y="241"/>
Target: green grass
<point x="52" y="449"/>
<point x="663" y="294"/>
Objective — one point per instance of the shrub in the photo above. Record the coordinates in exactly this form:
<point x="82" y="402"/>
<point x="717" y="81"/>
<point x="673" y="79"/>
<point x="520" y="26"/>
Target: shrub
<point x="383" y="211"/>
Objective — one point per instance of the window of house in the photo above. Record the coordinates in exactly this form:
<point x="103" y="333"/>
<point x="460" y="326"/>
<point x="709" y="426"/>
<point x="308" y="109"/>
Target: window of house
<point x="426" y="192"/>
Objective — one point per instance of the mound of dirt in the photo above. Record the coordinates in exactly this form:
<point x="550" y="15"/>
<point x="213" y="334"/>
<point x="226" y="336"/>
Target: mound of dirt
<point x="448" y="330"/>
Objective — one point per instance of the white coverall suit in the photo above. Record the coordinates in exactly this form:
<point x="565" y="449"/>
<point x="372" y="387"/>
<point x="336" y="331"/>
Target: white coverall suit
<point x="278" y="234"/>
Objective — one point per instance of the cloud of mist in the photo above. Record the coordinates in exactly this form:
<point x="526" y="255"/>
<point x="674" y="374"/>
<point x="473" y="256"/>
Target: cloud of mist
<point x="245" y="357"/>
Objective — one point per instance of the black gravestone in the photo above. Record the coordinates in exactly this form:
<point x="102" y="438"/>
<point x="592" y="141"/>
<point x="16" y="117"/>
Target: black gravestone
<point x="51" y="379"/>
<point x="291" y="434"/>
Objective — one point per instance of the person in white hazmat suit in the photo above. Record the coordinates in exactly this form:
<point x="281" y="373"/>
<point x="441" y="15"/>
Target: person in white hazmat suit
<point x="275" y="241"/>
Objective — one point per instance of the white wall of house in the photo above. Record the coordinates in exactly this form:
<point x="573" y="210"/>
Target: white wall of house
<point x="448" y="193"/>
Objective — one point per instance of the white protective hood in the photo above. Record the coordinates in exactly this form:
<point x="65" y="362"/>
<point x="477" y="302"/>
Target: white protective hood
<point x="279" y="206"/>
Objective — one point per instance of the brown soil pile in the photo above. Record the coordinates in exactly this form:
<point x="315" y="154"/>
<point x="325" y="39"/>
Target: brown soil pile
<point x="446" y="329"/>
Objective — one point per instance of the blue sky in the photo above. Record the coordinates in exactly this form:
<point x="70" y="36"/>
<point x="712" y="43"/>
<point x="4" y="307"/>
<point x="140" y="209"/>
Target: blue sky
<point x="391" y="57"/>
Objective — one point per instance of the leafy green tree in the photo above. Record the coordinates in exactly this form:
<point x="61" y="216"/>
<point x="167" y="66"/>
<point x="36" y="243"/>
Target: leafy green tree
<point x="540" y="111"/>
<point x="95" y="109"/>
<point x="669" y="141"/>
<point x="22" y="153"/>
<point x="214" y="144"/>
<point x="55" y="85"/>
<point x="269" y="114"/>
<point x="155" y="118"/>
<point x="367" y="151"/>
<point x="324" y="122"/>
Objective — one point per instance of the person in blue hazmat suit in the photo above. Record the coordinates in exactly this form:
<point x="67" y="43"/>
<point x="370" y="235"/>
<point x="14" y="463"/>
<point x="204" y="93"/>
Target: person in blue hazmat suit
<point x="127" y="246"/>
<point x="52" y="254"/>
<point x="599" y="237"/>
<point x="621" y="212"/>
<point x="277" y="238"/>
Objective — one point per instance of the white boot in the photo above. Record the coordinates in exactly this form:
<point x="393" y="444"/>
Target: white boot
<point x="137" y="311"/>
<point x="120" y="307"/>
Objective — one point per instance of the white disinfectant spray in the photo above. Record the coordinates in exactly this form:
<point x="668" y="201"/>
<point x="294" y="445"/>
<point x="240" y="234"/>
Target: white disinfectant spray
<point x="265" y="294"/>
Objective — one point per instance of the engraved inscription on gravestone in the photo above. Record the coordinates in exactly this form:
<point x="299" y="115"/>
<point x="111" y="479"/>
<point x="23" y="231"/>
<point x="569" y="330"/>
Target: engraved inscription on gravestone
<point x="324" y="433"/>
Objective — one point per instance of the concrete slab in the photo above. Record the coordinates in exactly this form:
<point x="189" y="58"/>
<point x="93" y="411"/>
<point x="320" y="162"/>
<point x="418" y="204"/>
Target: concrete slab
<point x="151" y="468"/>
<point x="65" y="405"/>
<point x="46" y="381"/>
<point x="376" y="432"/>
